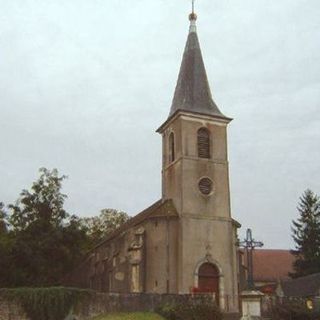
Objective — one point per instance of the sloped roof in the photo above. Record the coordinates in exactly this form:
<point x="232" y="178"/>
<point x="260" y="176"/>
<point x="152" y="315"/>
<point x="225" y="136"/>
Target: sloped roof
<point x="302" y="287"/>
<point x="192" y="91"/>
<point x="159" y="209"/>
<point x="268" y="289"/>
<point x="271" y="265"/>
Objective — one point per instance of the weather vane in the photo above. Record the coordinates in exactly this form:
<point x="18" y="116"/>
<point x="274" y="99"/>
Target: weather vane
<point x="193" y="6"/>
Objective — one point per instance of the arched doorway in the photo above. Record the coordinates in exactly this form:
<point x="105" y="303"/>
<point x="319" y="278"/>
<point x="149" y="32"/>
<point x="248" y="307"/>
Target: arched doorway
<point x="208" y="280"/>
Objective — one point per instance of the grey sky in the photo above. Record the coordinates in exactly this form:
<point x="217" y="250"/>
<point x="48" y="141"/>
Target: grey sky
<point x="84" y="85"/>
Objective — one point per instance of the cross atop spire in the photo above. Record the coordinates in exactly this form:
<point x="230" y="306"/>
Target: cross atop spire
<point x="193" y="19"/>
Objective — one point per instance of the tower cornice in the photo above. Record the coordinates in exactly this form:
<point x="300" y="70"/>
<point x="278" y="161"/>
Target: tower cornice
<point x="193" y="115"/>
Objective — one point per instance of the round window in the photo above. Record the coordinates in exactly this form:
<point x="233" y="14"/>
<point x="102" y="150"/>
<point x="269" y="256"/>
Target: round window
<point x="205" y="186"/>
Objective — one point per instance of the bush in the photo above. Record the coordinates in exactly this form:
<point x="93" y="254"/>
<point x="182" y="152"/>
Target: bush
<point x="45" y="303"/>
<point x="198" y="311"/>
<point x="294" y="310"/>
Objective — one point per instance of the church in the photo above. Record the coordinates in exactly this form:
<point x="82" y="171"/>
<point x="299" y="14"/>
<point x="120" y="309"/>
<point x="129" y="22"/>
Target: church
<point x="187" y="241"/>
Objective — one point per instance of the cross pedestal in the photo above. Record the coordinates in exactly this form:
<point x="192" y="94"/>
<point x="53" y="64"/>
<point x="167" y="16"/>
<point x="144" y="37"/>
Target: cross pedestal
<point x="251" y="304"/>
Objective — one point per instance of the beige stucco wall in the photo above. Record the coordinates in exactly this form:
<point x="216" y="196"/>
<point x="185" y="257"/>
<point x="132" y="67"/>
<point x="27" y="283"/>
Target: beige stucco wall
<point x="141" y="259"/>
<point x="181" y="177"/>
<point x="206" y="240"/>
<point x="161" y="255"/>
<point x="206" y="231"/>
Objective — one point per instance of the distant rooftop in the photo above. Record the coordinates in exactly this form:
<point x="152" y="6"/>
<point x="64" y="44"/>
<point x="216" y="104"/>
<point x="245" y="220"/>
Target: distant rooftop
<point x="302" y="287"/>
<point x="271" y="265"/>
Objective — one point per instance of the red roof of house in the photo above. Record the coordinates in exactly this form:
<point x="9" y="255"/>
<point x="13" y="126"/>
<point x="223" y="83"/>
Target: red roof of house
<point x="271" y="265"/>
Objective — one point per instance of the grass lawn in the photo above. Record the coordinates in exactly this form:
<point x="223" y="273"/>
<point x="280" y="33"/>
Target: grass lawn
<point x="130" y="316"/>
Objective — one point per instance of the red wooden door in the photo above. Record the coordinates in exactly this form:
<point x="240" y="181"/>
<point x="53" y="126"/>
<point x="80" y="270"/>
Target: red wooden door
<point x="209" y="279"/>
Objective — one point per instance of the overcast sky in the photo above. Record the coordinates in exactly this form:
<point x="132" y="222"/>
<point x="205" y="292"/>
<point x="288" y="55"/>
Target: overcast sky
<point x="84" y="84"/>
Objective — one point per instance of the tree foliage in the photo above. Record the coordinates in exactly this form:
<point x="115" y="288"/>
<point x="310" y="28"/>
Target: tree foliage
<point x="306" y="235"/>
<point x="40" y="242"/>
<point x="5" y="244"/>
<point x="3" y="220"/>
<point x="99" y="226"/>
<point x="42" y="204"/>
<point x="44" y="241"/>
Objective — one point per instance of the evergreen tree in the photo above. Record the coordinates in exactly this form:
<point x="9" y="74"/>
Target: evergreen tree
<point x="306" y="235"/>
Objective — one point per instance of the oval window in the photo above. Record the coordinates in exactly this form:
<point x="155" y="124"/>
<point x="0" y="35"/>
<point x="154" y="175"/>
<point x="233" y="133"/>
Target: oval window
<point x="205" y="186"/>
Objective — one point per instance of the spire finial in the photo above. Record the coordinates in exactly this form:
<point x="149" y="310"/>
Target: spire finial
<point x="192" y="15"/>
<point x="193" y="19"/>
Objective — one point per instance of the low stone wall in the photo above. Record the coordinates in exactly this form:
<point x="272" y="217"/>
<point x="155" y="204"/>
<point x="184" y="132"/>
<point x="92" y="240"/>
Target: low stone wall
<point x="11" y="311"/>
<point x="106" y="303"/>
<point x="99" y="303"/>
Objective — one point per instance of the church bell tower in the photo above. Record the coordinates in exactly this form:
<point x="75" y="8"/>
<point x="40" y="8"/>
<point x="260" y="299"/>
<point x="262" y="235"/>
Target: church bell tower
<point x="195" y="176"/>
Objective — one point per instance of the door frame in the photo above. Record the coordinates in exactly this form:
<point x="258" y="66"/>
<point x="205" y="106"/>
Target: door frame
<point x="208" y="259"/>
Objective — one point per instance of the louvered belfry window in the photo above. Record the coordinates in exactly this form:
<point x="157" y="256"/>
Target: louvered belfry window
<point x="171" y="147"/>
<point x="203" y="143"/>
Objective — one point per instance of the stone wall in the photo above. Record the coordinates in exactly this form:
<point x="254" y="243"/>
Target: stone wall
<point x="105" y="303"/>
<point x="10" y="311"/>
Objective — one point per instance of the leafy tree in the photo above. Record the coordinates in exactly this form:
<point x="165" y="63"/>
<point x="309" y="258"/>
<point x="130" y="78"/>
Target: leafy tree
<point x="6" y="241"/>
<point x="44" y="203"/>
<point x="99" y="226"/>
<point x="40" y="242"/>
<point x="306" y="235"/>
<point x="3" y="220"/>
<point x="47" y="242"/>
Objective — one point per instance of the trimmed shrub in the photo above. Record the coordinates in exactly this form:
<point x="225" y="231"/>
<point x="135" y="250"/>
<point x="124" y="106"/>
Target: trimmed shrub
<point x="294" y="310"/>
<point x="190" y="311"/>
<point x="46" y="303"/>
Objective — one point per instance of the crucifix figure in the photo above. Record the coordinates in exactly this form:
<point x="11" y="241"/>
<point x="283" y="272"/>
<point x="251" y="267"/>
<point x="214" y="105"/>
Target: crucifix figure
<point x="249" y="244"/>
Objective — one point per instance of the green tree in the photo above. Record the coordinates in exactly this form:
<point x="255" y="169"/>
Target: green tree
<point x="6" y="241"/>
<point x="44" y="203"/>
<point x="47" y="242"/>
<point x="99" y="227"/>
<point x="3" y="220"/>
<point x="306" y="235"/>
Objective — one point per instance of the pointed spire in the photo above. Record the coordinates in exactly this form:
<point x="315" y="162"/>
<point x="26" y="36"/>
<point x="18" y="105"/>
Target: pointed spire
<point x="192" y="92"/>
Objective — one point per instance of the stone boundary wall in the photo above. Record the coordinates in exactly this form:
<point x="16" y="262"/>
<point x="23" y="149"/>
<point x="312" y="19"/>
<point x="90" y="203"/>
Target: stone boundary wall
<point x="100" y="303"/>
<point x="10" y="311"/>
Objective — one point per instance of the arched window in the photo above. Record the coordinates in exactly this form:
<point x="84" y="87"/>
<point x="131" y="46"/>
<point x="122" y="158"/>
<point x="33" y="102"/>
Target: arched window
<point x="203" y="143"/>
<point x="171" y="148"/>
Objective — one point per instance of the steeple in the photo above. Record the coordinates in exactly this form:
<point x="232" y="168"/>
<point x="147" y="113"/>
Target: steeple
<point x="192" y="93"/>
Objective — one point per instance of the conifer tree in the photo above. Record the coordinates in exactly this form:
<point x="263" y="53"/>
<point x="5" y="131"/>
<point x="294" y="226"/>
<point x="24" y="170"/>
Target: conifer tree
<point x="306" y="235"/>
